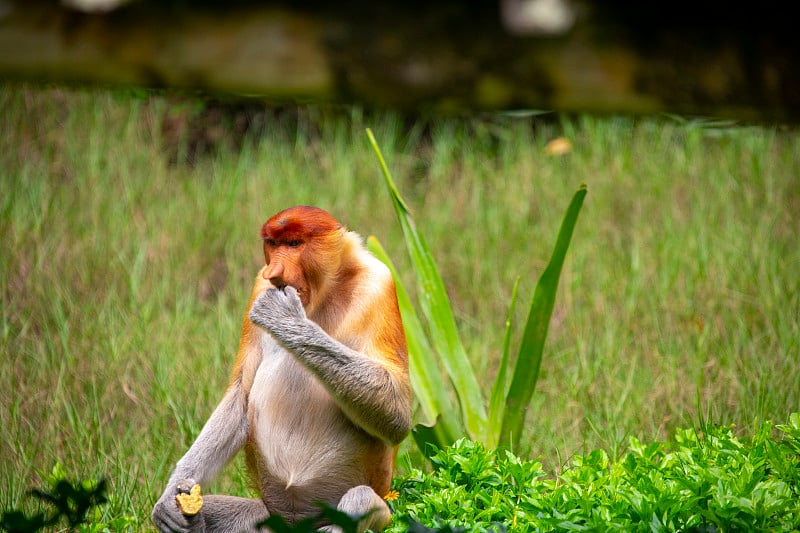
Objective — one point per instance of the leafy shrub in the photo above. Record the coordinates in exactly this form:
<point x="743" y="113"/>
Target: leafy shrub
<point x="703" y="480"/>
<point x="68" y="501"/>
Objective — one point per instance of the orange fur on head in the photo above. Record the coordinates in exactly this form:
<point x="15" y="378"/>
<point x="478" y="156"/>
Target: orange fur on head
<point x="304" y="247"/>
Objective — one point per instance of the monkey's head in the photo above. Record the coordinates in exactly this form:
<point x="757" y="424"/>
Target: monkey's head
<point x="303" y="249"/>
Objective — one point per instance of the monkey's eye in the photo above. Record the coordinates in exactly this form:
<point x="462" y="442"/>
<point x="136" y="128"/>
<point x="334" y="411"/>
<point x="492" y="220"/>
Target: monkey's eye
<point x="294" y="243"/>
<point x="270" y="242"/>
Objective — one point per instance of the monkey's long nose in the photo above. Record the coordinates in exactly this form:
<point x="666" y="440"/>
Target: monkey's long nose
<point x="275" y="274"/>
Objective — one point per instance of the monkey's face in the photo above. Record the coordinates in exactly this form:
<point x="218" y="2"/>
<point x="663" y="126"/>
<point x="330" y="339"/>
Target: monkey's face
<point x="302" y="247"/>
<point x="284" y="268"/>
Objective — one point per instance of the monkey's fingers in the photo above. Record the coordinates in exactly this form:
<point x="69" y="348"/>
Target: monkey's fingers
<point x="189" y="500"/>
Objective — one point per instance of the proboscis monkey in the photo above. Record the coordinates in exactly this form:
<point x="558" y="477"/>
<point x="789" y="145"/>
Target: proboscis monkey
<point x="319" y="396"/>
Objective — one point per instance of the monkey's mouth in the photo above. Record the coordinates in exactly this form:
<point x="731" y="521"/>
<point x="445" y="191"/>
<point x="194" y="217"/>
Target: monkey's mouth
<point x="303" y="295"/>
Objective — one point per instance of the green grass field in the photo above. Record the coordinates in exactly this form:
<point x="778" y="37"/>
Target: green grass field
<point x="129" y="246"/>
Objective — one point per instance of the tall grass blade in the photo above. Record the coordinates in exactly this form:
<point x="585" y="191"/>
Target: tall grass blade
<point x="497" y="400"/>
<point x="436" y="307"/>
<point x="526" y="370"/>
<point x="426" y="380"/>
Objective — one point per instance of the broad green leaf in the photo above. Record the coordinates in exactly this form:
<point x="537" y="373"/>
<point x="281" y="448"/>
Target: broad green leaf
<point x="497" y="400"/>
<point x="436" y="307"/>
<point x="526" y="370"/>
<point x="426" y="380"/>
<point x="429" y="438"/>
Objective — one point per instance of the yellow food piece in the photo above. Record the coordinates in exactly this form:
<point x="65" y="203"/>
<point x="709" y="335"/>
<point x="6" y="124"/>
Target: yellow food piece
<point x="190" y="504"/>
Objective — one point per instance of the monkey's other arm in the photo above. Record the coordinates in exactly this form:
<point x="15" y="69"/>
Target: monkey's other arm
<point x="365" y="388"/>
<point x="223" y="435"/>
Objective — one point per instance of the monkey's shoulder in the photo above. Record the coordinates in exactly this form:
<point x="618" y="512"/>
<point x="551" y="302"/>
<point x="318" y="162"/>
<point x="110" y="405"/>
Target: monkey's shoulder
<point x="374" y="287"/>
<point x="375" y="270"/>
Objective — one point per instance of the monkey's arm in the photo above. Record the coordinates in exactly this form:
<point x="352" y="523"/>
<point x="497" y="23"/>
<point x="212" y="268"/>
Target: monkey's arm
<point x="223" y="435"/>
<point x="371" y="391"/>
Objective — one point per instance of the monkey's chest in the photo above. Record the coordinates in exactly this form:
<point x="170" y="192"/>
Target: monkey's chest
<point x="301" y="435"/>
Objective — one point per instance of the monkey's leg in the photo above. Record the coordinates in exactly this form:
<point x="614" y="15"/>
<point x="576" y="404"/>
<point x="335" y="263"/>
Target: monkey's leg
<point x="363" y="500"/>
<point x="231" y="514"/>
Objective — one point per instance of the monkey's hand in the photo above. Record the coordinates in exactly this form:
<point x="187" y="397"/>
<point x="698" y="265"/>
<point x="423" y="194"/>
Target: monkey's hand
<point x="168" y="517"/>
<point x="280" y="312"/>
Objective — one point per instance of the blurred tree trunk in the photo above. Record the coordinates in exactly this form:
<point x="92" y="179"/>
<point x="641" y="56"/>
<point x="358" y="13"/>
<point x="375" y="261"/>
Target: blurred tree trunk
<point x="447" y="56"/>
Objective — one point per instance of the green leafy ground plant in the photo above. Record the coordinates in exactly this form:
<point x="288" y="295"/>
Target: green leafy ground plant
<point x="503" y="420"/>
<point x="66" y="502"/>
<point x="703" y="480"/>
